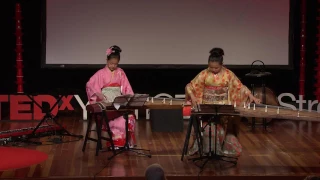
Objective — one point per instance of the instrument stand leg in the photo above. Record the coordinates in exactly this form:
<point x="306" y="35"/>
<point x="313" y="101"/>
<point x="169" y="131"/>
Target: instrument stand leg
<point x="186" y="141"/>
<point x="126" y="147"/>
<point x="213" y="155"/>
<point x="49" y="115"/>
<point x="253" y="123"/>
<point x="104" y="118"/>
<point x="192" y="122"/>
<point x="264" y="100"/>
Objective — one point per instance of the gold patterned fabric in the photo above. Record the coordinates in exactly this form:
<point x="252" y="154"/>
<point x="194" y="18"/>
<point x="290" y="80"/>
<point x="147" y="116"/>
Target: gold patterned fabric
<point x="221" y="88"/>
<point x="206" y="85"/>
<point x="215" y="95"/>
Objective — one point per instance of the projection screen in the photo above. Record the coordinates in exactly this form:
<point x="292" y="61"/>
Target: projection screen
<point x="166" y="33"/>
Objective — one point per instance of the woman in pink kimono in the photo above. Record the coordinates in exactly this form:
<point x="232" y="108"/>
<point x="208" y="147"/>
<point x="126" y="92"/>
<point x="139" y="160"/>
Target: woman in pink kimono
<point x="219" y="85"/>
<point x="106" y="84"/>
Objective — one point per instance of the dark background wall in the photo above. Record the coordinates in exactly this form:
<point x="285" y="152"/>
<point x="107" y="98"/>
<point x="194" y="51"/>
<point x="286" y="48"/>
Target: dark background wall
<point x="152" y="81"/>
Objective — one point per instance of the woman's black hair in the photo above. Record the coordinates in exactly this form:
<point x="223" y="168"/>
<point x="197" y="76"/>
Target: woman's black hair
<point x="115" y="52"/>
<point x="216" y="55"/>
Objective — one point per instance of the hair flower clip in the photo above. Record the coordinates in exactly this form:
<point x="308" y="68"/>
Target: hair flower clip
<point x="109" y="51"/>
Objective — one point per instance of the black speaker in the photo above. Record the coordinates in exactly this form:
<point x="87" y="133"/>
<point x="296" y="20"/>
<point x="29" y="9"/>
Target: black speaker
<point x="166" y="120"/>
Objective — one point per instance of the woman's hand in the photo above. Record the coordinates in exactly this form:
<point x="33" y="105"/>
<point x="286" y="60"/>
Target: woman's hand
<point x="100" y="97"/>
<point x="187" y="102"/>
<point x="254" y="99"/>
<point x="193" y="101"/>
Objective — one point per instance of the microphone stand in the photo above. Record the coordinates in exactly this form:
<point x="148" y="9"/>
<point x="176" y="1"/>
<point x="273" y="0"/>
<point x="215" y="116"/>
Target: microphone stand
<point x="49" y="115"/>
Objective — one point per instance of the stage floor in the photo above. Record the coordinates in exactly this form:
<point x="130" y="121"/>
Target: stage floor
<point x="292" y="149"/>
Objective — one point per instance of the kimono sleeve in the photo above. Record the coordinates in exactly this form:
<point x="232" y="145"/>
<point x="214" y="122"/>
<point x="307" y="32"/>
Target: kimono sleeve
<point x="125" y="84"/>
<point x="94" y="86"/>
<point x="196" y="86"/>
<point x="238" y="92"/>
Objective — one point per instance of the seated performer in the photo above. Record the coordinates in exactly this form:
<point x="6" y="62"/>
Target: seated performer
<point x="106" y="84"/>
<point x="218" y="85"/>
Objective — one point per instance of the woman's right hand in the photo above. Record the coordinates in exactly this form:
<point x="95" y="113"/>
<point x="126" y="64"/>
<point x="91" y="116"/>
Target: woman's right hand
<point x="193" y="101"/>
<point x="100" y="97"/>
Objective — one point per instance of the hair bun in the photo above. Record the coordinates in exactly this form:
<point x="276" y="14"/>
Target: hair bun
<point x="216" y="52"/>
<point x="116" y="49"/>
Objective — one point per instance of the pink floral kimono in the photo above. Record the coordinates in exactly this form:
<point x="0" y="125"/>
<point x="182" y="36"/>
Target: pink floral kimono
<point x="105" y="85"/>
<point x="221" y="88"/>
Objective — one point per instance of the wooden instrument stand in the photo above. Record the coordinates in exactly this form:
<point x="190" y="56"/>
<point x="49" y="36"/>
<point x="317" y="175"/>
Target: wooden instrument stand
<point x="124" y="105"/>
<point x="95" y="116"/>
<point x="130" y="104"/>
<point x="215" y="111"/>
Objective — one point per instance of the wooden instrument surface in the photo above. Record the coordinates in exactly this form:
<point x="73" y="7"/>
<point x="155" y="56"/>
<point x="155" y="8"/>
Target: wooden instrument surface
<point x="277" y="112"/>
<point x="259" y="111"/>
<point x="271" y="99"/>
<point x="214" y="109"/>
<point x="152" y="103"/>
<point x="164" y="103"/>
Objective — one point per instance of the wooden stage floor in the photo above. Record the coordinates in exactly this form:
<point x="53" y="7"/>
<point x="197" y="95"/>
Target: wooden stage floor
<point x="291" y="150"/>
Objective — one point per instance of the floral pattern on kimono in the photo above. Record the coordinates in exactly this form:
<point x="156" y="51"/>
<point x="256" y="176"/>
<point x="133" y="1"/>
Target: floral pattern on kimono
<point x="221" y="88"/>
<point x="110" y="85"/>
<point x="237" y="92"/>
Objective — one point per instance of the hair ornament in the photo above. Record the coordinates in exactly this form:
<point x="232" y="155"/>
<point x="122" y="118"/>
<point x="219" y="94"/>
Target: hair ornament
<point x="109" y="51"/>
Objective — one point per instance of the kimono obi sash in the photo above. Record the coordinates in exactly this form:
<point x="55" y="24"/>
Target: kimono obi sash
<point x="215" y="95"/>
<point x="111" y="91"/>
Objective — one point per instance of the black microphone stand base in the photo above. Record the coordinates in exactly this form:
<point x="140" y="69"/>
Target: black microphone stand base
<point x="126" y="148"/>
<point x="61" y="132"/>
<point x="49" y="116"/>
<point x="214" y="157"/>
